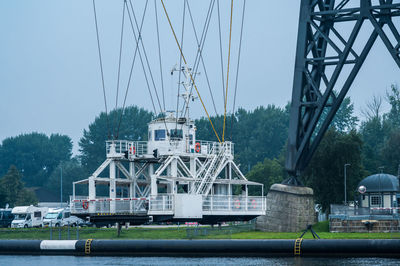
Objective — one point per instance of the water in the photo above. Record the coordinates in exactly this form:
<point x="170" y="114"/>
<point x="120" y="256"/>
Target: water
<point x="88" y="261"/>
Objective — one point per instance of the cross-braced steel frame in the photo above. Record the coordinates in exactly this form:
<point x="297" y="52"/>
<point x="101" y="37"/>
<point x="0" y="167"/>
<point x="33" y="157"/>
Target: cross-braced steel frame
<point x="321" y="55"/>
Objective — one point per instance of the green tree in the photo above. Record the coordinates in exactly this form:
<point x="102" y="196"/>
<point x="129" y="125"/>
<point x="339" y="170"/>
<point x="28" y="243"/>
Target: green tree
<point x="133" y="126"/>
<point x="325" y="173"/>
<point x="12" y="190"/>
<point x="393" y="97"/>
<point x="257" y="134"/>
<point x="35" y="154"/>
<point x="391" y="153"/>
<point x="268" y="172"/>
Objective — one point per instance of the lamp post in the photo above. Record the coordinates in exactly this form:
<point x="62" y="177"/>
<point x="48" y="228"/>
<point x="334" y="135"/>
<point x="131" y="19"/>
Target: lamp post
<point x="345" y="181"/>
<point x="61" y="177"/>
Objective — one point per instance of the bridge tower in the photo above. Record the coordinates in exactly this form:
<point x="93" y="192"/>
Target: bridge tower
<point x="326" y="54"/>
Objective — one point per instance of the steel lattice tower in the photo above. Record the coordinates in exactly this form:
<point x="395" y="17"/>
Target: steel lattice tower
<point x="323" y="51"/>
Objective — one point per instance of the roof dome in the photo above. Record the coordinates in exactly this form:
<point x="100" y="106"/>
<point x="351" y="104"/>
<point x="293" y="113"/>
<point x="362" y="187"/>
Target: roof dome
<point x="380" y="183"/>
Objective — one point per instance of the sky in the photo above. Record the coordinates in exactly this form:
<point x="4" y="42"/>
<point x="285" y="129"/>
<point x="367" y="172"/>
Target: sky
<point x="50" y="77"/>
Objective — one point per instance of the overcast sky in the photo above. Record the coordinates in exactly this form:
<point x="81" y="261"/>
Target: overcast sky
<point x="50" y="79"/>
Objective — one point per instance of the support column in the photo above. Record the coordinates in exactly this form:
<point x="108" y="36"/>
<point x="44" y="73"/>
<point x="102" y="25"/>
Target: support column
<point x="132" y="186"/>
<point x="113" y="187"/>
<point x="92" y="194"/>
<point x="174" y="173"/>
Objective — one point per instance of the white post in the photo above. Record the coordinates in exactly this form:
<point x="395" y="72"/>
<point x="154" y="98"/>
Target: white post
<point x="113" y="187"/>
<point x="132" y="186"/>
<point x="92" y="194"/>
<point x="153" y="182"/>
<point x="174" y="173"/>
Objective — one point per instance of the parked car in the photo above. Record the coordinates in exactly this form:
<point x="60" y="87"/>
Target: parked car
<point x="61" y="217"/>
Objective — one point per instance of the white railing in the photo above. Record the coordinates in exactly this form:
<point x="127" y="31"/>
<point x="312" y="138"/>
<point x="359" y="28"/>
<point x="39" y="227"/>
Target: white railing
<point x="82" y="204"/>
<point x="134" y="148"/>
<point x="161" y="203"/>
<point x="210" y="147"/>
<point x="138" y="148"/>
<point x="234" y="203"/>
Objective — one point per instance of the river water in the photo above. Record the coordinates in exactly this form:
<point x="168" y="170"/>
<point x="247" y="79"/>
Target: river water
<point x="88" y="261"/>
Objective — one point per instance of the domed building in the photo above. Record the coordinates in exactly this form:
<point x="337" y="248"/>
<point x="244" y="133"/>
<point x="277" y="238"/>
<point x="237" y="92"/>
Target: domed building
<point x="379" y="191"/>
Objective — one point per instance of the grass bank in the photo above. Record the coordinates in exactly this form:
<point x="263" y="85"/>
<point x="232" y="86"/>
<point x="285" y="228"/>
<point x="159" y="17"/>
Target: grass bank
<point x="182" y="232"/>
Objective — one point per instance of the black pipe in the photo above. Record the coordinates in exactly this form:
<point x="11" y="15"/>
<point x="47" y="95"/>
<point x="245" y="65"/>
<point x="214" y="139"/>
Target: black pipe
<point x="259" y="248"/>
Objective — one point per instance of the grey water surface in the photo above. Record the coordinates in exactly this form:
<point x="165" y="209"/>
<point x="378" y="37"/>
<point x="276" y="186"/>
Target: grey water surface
<point x="11" y="260"/>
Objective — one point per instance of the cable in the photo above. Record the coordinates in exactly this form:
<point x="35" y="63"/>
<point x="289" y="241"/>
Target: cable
<point x="227" y="73"/>
<point x="159" y="52"/>
<point x="237" y="69"/>
<point x="132" y="65"/>
<point x="180" y="65"/>
<point x="221" y="53"/>
<point x="145" y="56"/>
<point x="199" y="52"/>
<point x="191" y="77"/>
<point x="202" y="42"/>
<point x="101" y="68"/>
<point x="119" y="65"/>
<point x="147" y="61"/>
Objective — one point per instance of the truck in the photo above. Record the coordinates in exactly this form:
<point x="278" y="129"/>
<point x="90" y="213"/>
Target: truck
<point x="6" y="217"/>
<point x="28" y="216"/>
<point x="61" y="217"/>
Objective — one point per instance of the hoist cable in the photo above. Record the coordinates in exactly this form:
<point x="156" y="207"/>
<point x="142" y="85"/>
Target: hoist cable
<point x="159" y="52"/>
<point x="221" y="53"/>
<point x="131" y="70"/>
<point x="101" y="68"/>
<point x="119" y="67"/>
<point x="146" y="58"/>
<point x="227" y="72"/>
<point x="180" y="66"/>
<point x="191" y="77"/>
<point x="238" y="64"/>
<point x="201" y="57"/>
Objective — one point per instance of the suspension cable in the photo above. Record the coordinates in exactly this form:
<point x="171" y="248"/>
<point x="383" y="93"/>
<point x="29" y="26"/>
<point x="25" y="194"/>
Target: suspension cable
<point x="132" y="65"/>
<point x="202" y="42"/>
<point x="159" y="53"/>
<point x="101" y="68"/>
<point x="119" y="67"/>
<point x="199" y="52"/>
<point x="145" y="56"/>
<point x="191" y="77"/>
<point x="221" y="53"/>
<point x="180" y="66"/>
<point x="227" y="73"/>
<point x="139" y="38"/>
<point x="238" y="64"/>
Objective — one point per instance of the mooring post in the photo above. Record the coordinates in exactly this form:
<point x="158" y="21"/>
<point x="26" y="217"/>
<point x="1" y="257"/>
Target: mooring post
<point x="119" y="227"/>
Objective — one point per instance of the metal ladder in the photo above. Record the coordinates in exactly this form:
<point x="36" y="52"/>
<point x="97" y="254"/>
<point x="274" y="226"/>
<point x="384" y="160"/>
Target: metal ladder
<point x="206" y="181"/>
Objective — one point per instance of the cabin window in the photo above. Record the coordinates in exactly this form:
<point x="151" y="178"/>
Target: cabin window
<point x="67" y="215"/>
<point x="191" y="139"/>
<point x="37" y="214"/>
<point x="159" y="134"/>
<point x="176" y="133"/>
<point x="376" y="200"/>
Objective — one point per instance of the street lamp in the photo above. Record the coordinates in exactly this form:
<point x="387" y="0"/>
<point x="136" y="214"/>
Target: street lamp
<point x="61" y="188"/>
<point x="345" y="178"/>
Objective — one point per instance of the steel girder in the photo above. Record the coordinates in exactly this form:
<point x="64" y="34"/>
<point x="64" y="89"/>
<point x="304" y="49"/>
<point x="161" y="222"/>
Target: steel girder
<point x="322" y="52"/>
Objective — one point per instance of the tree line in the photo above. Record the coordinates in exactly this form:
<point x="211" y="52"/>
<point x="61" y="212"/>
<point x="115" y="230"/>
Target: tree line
<point x="260" y="135"/>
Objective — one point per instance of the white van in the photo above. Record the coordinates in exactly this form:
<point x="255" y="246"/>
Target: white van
<point x="28" y="216"/>
<point x="61" y="217"/>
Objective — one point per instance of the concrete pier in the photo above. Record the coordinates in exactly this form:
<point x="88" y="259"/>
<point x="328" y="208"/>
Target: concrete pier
<point x="289" y="209"/>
